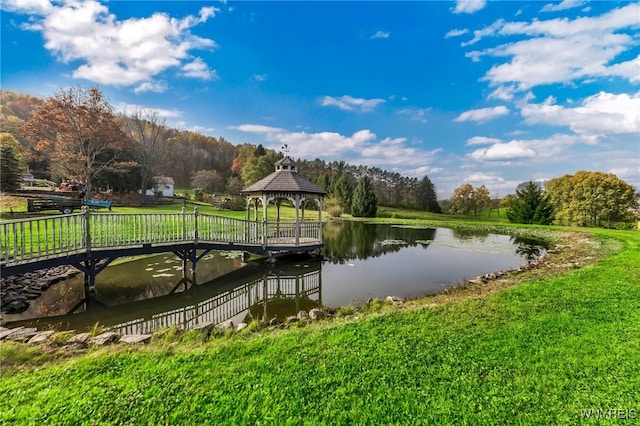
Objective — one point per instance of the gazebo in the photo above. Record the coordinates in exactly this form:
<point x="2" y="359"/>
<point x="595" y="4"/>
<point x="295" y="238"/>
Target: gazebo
<point x="285" y="183"/>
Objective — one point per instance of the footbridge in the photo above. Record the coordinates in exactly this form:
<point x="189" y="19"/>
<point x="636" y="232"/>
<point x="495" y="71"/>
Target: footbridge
<point x="90" y="240"/>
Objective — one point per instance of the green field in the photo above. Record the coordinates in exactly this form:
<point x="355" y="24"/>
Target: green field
<point x="556" y="345"/>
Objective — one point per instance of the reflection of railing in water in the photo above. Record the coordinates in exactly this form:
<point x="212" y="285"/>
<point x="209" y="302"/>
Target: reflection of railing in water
<point x="231" y="303"/>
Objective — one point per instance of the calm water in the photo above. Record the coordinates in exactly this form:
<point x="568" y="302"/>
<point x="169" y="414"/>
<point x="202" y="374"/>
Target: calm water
<point x="361" y="261"/>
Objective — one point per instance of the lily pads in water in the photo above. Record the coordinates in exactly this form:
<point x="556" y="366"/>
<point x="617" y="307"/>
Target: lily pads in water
<point x="425" y="242"/>
<point x="393" y="243"/>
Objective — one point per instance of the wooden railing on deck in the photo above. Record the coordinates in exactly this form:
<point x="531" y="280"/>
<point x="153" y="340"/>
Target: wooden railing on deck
<point x="56" y="236"/>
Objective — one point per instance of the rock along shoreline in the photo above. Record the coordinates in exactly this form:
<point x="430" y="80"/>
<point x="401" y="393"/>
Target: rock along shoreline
<point x="17" y="290"/>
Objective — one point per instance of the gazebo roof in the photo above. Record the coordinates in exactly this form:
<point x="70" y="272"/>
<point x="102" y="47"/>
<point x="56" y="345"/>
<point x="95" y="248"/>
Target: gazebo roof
<point x="286" y="180"/>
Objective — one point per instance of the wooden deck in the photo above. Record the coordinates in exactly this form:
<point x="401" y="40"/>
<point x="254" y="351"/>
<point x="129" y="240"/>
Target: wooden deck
<point x="38" y="243"/>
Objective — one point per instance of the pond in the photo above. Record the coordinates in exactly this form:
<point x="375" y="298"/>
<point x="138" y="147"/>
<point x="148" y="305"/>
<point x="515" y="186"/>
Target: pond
<point x="359" y="261"/>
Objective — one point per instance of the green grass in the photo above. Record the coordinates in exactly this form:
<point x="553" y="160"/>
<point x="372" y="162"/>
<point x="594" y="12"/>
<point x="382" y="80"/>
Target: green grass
<point x="496" y="215"/>
<point x="18" y="205"/>
<point x="538" y="352"/>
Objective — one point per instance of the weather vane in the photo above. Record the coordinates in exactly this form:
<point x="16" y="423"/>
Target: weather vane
<point x="285" y="148"/>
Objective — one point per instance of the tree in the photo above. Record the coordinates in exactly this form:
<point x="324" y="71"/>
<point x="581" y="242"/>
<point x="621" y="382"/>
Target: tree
<point x="530" y="205"/>
<point x="258" y="167"/>
<point x="342" y="192"/>
<point x="592" y="198"/>
<point x="462" y="200"/>
<point x="151" y="136"/>
<point x="466" y="199"/>
<point x="482" y="199"/>
<point x="234" y="185"/>
<point x="209" y="180"/>
<point x="365" y="202"/>
<point x="19" y="151"/>
<point x="78" y="127"/>
<point x="322" y="181"/>
<point x="426" y="196"/>
<point x="507" y="201"/>
<point x="10" y="173"/>
<point x="243" y="152"/>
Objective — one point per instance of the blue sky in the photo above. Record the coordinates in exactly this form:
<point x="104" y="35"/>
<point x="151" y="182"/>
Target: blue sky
<point x="484" y="92"/>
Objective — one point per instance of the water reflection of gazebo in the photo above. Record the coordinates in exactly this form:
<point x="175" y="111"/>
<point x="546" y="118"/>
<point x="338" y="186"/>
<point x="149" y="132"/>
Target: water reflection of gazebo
<point x="286" y="184"/>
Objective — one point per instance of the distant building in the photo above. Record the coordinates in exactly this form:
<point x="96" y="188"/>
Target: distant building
<point x="28" y="179"/>
<point x="162" y="185"/>
<point x="31" y="182"/>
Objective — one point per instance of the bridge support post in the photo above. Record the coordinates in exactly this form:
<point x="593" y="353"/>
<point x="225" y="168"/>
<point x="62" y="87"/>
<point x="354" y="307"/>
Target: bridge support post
<point x="90" y="278"/>
<point x="194" y="264"/>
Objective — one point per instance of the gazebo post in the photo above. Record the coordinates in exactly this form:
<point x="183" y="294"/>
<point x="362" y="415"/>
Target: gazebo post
<point x="255" y="209"/>
<point x="278" y="201"/>
<point x="320" y="215"/>
<point x="297" y="220"/>
<point x="265" y="206"/>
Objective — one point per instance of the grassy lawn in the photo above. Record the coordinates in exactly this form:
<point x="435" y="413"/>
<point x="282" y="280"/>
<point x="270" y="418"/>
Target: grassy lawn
<point x="544" y="347"/>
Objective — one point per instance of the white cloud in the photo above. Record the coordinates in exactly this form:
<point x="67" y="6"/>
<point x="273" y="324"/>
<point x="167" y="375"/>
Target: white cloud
<point x="200" y="129"/>
<point x="258" y="128"/>
<point x="198" y="69"/>
<point x="563" y="5"/>
<point x="562" y="50"/>
<point x="381" y="34"/>
<point x="151" y="86"/>
<point x="130" y="52"/>
<point x="469" y="6"/>
<point x="481" y="140"/>
<point x="629" y="70"/>
<point x="416" y="114"/>
<point x="503" y="93"/>
<point x="362" y="147"/>
<point x="162" y="112"/>
<point x="483" y="178"/>
<point x="483" y="114"/>
<point x="40" y="7"/>
<point x="348" y="103"/>
<point x="485" y="32"/>
<point x="552" y="149"/>
<point x="601" y="114"/>
<point x="423" y="170"/>
<point x="456" y="33"/>
<point x="260" y="77"/>
<point x="514" y="150"/>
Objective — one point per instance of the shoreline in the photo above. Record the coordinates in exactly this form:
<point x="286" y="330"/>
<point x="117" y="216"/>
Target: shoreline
<point x="572" y="251"/>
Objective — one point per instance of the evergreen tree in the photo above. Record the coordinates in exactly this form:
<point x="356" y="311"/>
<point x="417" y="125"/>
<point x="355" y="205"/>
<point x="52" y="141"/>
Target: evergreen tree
<point x="531" y="205"/>
<point x="426" y="196"/>
<point x="365" y="202"/>
<point x="10" y="174"/>
<point x="342" y="192"/>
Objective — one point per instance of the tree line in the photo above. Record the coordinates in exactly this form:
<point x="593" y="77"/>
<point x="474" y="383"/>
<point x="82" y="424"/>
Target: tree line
<point x="76" y="134"/>
<point x="583" y="199"/>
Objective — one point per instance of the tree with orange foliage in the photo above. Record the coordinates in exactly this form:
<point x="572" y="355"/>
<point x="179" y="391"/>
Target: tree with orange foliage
<point x="79" y="129"/>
